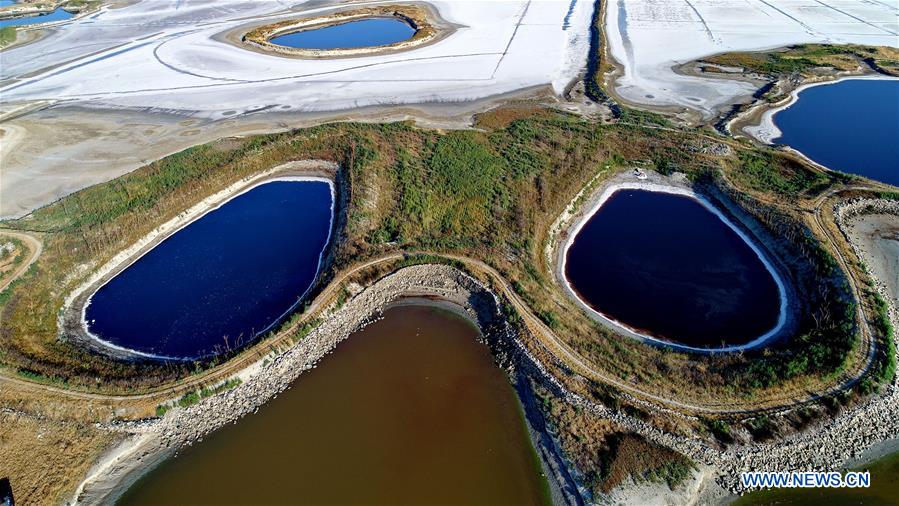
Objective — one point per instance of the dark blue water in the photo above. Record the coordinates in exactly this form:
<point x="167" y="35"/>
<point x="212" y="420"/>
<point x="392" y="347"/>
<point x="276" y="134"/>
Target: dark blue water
<point x="362" y="33"/>
<point x="851" y="126"/>
<point x="6" y="3"/>
<point x="57" y="15"/>
<point x="665" y="265"/>
<point x="222" y="279"/>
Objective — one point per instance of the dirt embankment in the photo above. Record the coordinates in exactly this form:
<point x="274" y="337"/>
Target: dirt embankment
<point x="428" y="25"/>
<point x="71" y="319"/>
<point x="588" y="202"/>
<point x="151" y="441"/>
<point x="33" y="248"/>
<point x="820" y="447"/>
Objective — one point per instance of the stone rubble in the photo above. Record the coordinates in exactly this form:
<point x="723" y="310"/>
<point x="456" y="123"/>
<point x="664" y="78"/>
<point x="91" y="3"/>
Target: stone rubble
<point x="817" y="448"/>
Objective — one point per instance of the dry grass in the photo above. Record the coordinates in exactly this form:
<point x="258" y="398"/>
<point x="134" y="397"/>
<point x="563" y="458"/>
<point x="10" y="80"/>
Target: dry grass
<point x="13" y="253"/>
<point x="606" y="456"/>
<point x="46" y="459"/>
<point x="806" y="59"/>
<point x="488" y="194"/>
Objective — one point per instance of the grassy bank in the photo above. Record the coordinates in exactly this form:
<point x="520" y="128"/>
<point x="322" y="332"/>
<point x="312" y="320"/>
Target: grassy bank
<point x="808" y="60"/>
<point x="489" y="194"/>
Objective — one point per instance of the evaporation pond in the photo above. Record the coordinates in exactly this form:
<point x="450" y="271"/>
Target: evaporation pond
<point x="409" y="410"/>
<point x="353" y="34"/>
<point x="851" y="126"/>
<point x="664" y="265"/>
<point x="222" y="279"/>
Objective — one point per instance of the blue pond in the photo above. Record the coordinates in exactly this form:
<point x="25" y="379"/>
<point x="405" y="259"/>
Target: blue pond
<point x="851" y="126"/>
<point x="57" y="15"/>
<point x="217" y="283"/>
<point x="363" y="33"/>
<point x="666" y="266"/>
<point x="6" y="3"/>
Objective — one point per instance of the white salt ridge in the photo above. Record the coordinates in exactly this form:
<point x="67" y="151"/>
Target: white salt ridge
<point x="649" y="37"/>
<point x="164" y="56"/>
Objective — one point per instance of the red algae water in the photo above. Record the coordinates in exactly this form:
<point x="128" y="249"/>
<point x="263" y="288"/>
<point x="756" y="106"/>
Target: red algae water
<point x="409" y="410"/>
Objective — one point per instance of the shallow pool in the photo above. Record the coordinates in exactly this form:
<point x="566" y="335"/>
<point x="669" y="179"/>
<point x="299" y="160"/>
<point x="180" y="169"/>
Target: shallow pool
<point x="353" y="34"/>
<point x="665" y="266"/>
<point x="851" y="126"/>
<point x="221" y="280"/>
<point x="57" y="15"/>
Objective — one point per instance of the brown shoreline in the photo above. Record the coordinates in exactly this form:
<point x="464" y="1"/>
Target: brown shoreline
<point x="430" y="29"/>
<point x="151" y="441"/>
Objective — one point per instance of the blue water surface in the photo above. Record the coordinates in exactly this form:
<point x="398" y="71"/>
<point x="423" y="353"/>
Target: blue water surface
<point x="362" y="33"/>
<point x="57" y="15"/>
<point x="666" y="266"/>
<point x="217" y="283"/>
<point x="851" y="126"/>
<point x="6" y="3"/>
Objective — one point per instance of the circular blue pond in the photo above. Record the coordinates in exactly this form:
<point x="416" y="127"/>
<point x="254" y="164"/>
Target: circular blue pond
<point x="851" y="126"/>
<point x="667" y="267"/>
<point x="353" y="34"/>
<point x="218" y="282"/>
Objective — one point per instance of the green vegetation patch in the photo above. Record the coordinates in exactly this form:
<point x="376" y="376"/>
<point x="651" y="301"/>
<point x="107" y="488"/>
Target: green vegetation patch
<point x="804" y="58"/>
<point x="191" y="398"/>
<point x="7" y="35"/>
<point x="606" y="456"/>
<point x="489" y="194"/>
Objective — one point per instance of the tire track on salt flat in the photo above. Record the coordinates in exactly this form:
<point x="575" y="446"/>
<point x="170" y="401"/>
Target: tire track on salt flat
<point x="856" y="18"/>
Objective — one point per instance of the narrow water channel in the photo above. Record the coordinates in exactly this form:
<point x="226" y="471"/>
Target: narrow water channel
<point x="851" y="126"/>
<point x="353" y="34"/>
<point x="409" y="410"/>
<point x="665" y="266"/>
<point x="56" y="15"/>
<point x="218" y="282"/>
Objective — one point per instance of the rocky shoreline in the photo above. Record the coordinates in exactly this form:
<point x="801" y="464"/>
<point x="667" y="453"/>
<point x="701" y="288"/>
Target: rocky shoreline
<point x="151" y="441"/>
<point x="842" y="440"/>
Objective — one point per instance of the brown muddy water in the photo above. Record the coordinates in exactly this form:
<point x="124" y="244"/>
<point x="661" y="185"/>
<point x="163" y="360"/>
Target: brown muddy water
<point x="409" y="410"/>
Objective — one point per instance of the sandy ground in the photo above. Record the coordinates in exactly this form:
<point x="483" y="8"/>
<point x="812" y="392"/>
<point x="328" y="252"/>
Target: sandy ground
<point x="877" y="236"/>
<point x="652" y="37"/>
<point x="50" y="153"/>
<point x="165" y="78"/>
